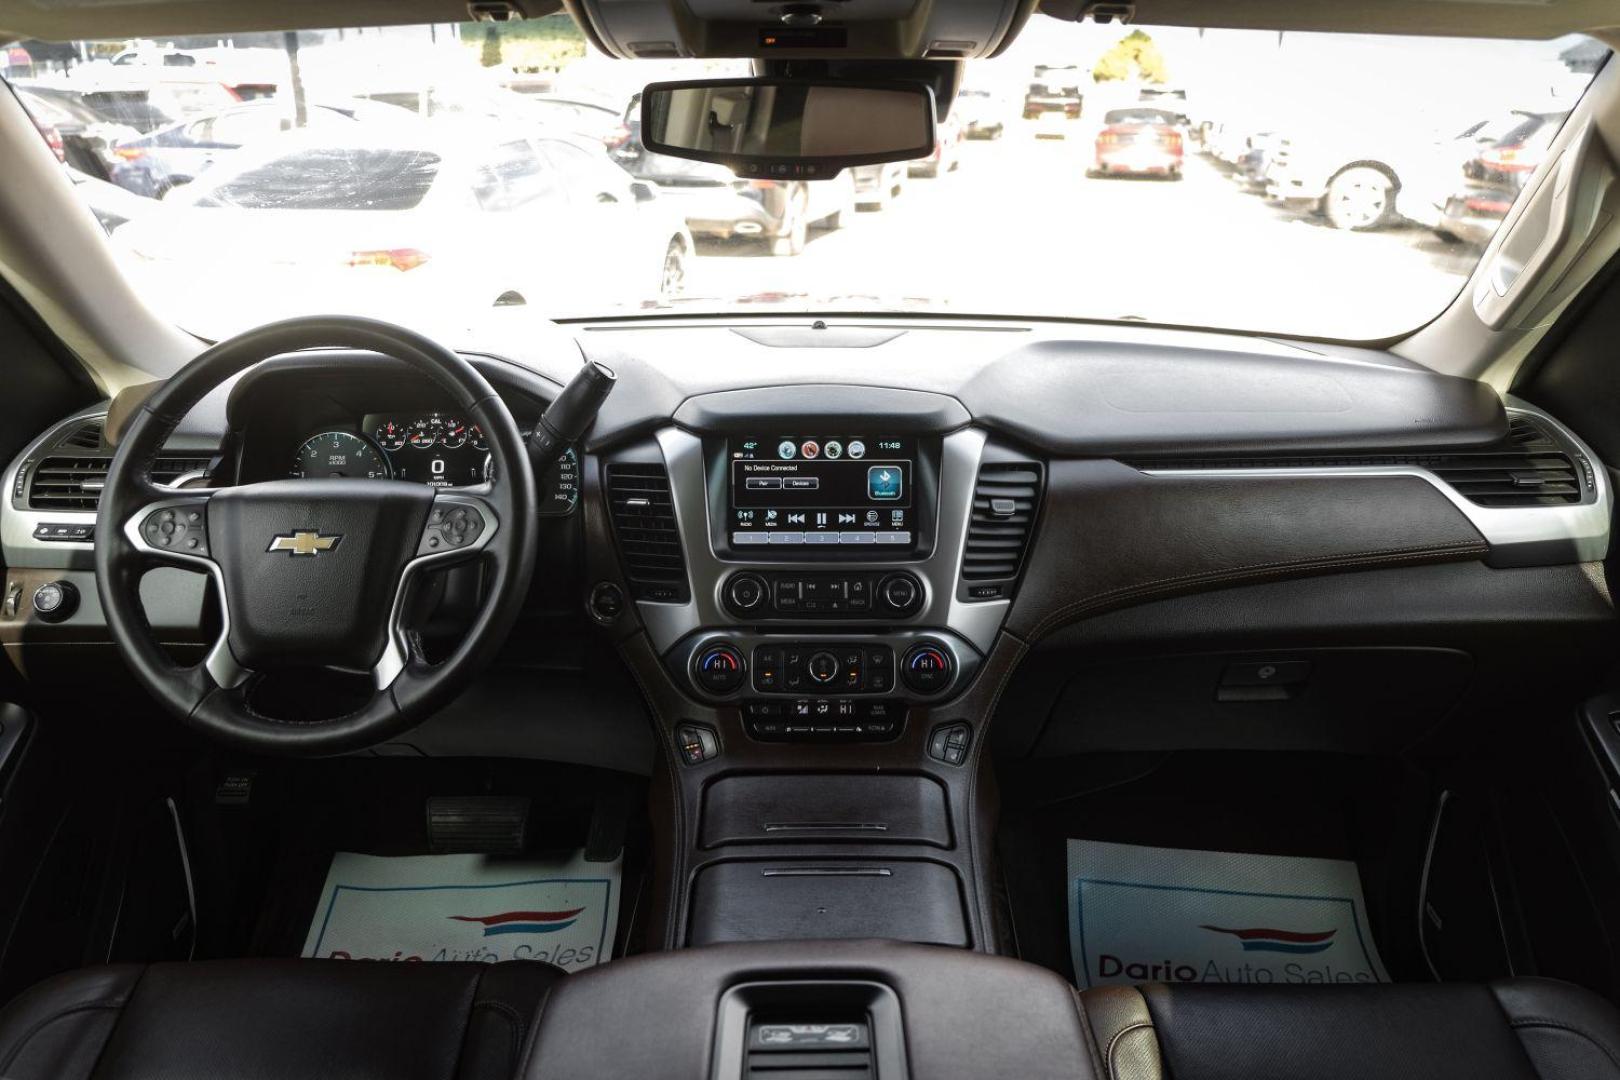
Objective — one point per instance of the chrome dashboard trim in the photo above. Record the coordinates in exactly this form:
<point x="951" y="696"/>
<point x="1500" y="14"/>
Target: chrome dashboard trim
<point x="1518" y="536"/>
<point x="975" y="623"/>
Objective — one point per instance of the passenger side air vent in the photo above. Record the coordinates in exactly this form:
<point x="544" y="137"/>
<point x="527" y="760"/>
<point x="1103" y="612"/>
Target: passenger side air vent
<point x="1004" y="506"/>
<point x="644" y="525"/>
<point x="1529" y="469"/>
<point x="67" y="483"/>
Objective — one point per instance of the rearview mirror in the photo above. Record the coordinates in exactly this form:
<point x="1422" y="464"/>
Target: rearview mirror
<point x="797" y="128"/>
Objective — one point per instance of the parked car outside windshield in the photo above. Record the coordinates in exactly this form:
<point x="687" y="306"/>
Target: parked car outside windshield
<point x="1289" y="184"/>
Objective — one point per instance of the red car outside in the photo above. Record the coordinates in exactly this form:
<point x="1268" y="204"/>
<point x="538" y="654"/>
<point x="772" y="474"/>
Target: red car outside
<point x="1139" y="142"/>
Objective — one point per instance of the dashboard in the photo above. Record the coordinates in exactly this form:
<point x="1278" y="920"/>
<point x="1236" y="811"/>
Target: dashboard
<point x="804" y="545"/>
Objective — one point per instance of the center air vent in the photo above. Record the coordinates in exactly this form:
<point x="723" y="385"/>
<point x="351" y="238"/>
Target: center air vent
<point x="1004" y="506"/>
<point x="644" y="525"/>
<point x="1529" y="469"/>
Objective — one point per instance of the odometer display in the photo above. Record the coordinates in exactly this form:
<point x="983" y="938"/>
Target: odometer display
<point x="340" y="453"/>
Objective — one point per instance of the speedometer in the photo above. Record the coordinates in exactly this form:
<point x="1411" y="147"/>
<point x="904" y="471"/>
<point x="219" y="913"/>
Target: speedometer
<point x="424" y="433"/>
<point x="339" y="453"/>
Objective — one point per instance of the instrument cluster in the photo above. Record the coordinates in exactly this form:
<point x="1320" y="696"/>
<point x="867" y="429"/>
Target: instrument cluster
<point x="437" y="449"/>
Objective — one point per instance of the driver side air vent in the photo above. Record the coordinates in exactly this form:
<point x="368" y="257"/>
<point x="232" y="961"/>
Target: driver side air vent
<point x="644" y="526"/>
<point x="1004" y="506"/>
<point x="61" y="482"/>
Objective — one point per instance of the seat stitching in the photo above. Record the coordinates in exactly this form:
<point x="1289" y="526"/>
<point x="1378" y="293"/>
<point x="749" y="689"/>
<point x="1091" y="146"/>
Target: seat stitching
<point x="1545" y="1021"/>
<point x="1113" y="1043"/>
<point x="31" y="1033"/>
<point x="1085" y="1028"/>
<point x="515" y="1027"/>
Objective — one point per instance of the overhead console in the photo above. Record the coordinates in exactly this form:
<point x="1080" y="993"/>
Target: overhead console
<point x="883" y="29"/>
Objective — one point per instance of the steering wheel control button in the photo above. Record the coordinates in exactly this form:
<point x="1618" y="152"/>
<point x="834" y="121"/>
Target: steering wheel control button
<point x="183" y="529"/>
<point x="696" y="743"/>
<point x="949" y="743"/>
<point x="606" y="603"/>
<point x="450" y="527"/>
<point x="56" y="601"/>
<point x="926" y="668"/>
<point x="719" y="669"/>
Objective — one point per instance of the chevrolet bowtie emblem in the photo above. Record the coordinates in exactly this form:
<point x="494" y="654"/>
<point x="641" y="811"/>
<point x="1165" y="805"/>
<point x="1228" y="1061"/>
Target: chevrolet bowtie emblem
<point x="303" y="543"/>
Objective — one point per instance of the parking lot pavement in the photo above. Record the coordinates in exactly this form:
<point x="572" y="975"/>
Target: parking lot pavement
<point x="1021" y="229"/>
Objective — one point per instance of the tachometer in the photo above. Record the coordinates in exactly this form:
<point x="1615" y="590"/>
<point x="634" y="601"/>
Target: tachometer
<point x="339" y="453"/>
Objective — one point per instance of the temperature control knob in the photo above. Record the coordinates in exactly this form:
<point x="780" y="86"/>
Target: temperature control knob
<point x="719" y="668"/>
<point x="926" y="668"/>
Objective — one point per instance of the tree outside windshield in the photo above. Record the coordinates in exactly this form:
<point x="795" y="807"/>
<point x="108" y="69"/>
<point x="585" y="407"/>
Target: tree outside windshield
<point x="1334" y="186"/>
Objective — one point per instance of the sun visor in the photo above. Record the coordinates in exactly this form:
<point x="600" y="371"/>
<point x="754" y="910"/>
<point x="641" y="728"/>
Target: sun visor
<point x="802" y="29"/>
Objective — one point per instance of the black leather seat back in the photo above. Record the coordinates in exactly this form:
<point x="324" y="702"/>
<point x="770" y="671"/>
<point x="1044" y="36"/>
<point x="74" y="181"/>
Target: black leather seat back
<point x="1525" y="1029"/>
<point x="247" y="1019"/>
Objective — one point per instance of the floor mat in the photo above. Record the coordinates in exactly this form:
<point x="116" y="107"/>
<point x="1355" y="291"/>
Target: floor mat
<point x="1152" y="914"/>
<point x="466" y="907"/>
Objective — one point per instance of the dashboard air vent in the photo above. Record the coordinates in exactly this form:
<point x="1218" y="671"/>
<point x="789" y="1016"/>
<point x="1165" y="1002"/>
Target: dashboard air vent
<point x="86" y="436"/>
<point x="166" y="470"/>
<point x="1529" y="469"/>
<point x="1004" y="505"/>
<point x="67" y="483"/>
<point x="644" y="524"/>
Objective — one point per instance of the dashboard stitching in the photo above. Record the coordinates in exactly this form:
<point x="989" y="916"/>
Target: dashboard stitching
<point x="1169" y="584"/>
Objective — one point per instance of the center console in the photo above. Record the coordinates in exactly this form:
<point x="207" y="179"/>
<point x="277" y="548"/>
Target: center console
<point x="821" y="662"/>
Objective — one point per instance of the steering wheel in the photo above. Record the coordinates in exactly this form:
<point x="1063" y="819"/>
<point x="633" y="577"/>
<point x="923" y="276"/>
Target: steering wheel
<point x="313" y="573"/>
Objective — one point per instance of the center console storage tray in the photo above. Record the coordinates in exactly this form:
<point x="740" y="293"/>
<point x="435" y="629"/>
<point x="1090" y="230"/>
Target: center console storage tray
<point x="819" y="900"/>
<point x="798" y="808"/>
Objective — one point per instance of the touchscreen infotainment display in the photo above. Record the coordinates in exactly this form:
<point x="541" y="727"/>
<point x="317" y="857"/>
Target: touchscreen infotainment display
<point x="822" y="489"/>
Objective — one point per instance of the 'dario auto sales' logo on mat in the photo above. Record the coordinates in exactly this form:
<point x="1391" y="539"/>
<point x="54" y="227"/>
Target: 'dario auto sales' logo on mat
<point x="523" y="922"/>
<point x="1264" y="939"/>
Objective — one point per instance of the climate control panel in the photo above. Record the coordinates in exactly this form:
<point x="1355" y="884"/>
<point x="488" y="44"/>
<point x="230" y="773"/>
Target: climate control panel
<point x="909" y="665"/>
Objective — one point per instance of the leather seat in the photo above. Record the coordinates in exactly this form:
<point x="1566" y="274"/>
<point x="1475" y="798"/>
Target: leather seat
<point x="1521" y="1029"/>
<point x="288" y="1019"/>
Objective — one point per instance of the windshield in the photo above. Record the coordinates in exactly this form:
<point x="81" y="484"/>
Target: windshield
<point x="1332" y="186"/>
